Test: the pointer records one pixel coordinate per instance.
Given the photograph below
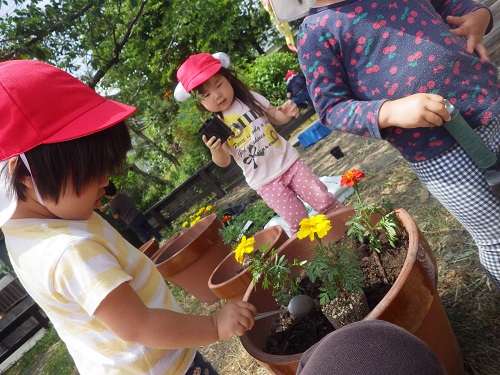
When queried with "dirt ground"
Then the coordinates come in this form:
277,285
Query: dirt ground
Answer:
372,157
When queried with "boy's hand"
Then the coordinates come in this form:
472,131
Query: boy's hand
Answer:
235,318
472,26
214,143
289,109
414,111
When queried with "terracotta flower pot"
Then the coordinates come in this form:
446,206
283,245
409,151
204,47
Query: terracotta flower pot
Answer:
190,258
150,248
226,282
412,303
164,246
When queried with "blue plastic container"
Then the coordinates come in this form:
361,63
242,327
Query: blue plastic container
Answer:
313,134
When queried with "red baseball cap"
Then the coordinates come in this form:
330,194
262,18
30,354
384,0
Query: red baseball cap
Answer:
197,69
41,104
289,74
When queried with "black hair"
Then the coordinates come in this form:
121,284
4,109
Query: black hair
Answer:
110,189
241,92
77,162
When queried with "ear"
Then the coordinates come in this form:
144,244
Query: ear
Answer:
27,181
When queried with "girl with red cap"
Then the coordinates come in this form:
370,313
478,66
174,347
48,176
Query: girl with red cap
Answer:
59,140
270,164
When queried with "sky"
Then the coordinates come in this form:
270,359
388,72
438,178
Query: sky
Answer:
11,6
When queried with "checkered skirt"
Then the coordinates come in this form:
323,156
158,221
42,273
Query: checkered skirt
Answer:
460,186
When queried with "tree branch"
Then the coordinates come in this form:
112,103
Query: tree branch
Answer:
12,54
118,48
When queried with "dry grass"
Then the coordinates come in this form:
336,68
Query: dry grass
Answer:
470,300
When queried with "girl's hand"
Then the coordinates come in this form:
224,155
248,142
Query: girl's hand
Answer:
414,111
235,318
472,26
214,143
289,109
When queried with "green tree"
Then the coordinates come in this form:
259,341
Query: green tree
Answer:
132,49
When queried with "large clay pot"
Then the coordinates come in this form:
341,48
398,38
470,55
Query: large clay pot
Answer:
189,260
150,248
226,282
412,303
166,244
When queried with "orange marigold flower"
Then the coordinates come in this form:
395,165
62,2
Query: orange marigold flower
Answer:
167,94
352,177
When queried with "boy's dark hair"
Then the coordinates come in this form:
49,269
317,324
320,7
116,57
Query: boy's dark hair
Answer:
110,189
77,162
241,92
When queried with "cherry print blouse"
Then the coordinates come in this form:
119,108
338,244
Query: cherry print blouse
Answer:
356,54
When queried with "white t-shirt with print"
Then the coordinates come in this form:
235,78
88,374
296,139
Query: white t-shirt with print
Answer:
259,150
69,267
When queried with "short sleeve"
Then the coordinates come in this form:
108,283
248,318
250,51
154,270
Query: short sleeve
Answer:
86,273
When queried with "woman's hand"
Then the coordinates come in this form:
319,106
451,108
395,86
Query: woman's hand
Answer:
220,155
472,26
414,111
289,109
214,143
235,318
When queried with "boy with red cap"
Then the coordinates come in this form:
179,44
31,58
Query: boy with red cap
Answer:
59,141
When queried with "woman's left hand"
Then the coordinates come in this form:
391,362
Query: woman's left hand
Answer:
289,109
472,26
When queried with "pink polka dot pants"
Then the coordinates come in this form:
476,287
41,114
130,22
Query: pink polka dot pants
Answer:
282,195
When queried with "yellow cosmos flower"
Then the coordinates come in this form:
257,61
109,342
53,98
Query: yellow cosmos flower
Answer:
315,224
185,224
244,247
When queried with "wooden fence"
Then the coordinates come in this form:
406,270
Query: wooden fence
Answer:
21,318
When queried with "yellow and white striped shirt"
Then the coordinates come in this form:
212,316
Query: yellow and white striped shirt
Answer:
69,267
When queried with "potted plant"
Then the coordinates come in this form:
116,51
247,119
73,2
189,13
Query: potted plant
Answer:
411,302
341,294
231,278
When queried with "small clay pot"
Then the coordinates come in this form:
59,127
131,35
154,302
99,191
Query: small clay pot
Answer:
336,152
216,127
228,281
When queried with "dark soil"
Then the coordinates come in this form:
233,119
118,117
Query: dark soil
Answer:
292,336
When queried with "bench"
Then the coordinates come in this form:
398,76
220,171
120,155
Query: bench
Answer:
19,325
